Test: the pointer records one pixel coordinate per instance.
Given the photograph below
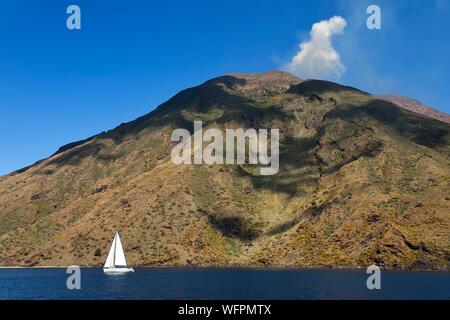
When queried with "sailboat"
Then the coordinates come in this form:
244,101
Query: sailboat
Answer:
115,262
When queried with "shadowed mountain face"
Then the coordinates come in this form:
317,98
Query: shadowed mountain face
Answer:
361,181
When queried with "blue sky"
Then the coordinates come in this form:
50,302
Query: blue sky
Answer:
59,86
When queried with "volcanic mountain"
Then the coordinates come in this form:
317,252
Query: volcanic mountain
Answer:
361,181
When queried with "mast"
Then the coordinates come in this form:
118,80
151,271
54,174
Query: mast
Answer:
114,255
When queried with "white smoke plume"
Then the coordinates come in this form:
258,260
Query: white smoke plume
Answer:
316,57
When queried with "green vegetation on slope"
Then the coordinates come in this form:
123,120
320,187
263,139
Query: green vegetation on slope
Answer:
361,181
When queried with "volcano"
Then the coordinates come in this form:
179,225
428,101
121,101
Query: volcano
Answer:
361,181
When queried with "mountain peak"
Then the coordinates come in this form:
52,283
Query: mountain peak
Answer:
259,85
272,75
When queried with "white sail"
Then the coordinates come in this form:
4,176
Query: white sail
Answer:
119,255
110,259
115,262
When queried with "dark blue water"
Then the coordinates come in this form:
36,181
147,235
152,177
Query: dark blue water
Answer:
162,283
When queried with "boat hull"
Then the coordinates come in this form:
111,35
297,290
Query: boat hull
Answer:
117,271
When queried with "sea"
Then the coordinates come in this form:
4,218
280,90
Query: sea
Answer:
222,284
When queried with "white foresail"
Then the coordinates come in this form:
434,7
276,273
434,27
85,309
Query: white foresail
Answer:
119,256
110,259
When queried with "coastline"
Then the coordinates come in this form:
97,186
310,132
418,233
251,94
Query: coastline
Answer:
262,268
